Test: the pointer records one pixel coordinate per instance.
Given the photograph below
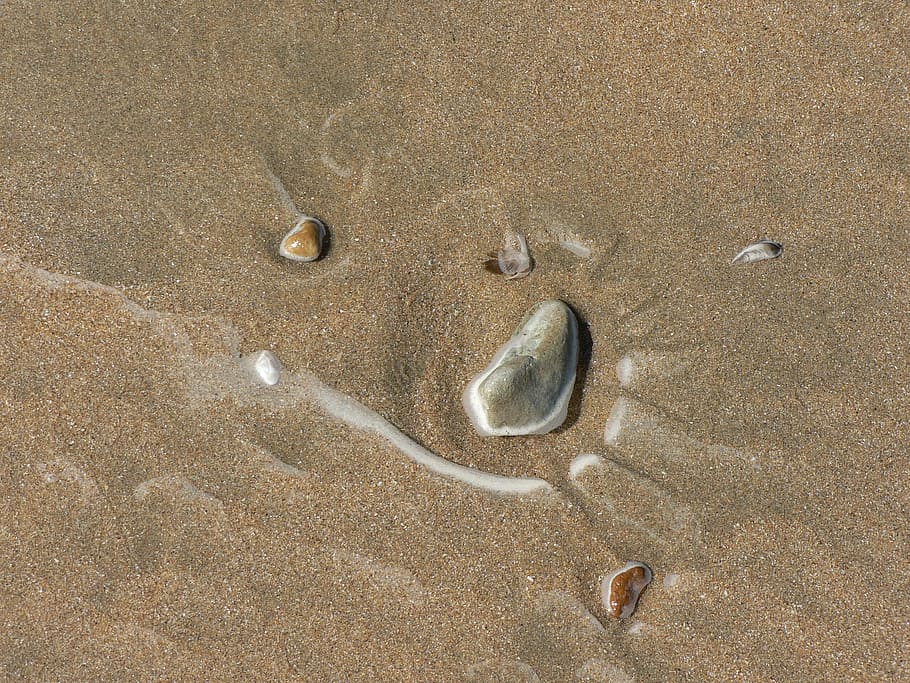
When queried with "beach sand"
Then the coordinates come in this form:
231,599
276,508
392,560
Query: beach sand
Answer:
165,517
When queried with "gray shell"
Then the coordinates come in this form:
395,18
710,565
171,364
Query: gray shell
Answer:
759,251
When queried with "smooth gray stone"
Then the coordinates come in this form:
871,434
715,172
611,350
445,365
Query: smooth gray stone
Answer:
526,387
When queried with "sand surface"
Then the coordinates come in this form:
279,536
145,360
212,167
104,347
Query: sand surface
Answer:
165,517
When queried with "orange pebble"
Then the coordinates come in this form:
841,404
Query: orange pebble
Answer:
304,241
620,590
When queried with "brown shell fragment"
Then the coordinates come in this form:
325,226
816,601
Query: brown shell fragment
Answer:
621,590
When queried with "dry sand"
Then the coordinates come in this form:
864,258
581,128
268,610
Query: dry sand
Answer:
164,518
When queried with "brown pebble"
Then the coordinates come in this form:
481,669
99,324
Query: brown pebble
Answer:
304,241
620,590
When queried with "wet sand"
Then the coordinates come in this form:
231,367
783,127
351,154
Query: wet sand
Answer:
165,517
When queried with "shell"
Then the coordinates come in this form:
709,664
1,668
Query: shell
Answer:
304,241
759,251
513,260
620,590
264,366
525,389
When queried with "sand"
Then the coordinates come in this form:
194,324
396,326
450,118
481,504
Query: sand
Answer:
165,517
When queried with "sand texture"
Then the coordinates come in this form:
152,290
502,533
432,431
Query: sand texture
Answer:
164,516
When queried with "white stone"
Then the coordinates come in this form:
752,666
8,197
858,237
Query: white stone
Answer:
527,386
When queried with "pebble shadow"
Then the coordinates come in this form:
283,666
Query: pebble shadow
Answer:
585,347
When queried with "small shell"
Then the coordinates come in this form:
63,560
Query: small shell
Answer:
759,251
620,590
513,260
264,366
304,241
